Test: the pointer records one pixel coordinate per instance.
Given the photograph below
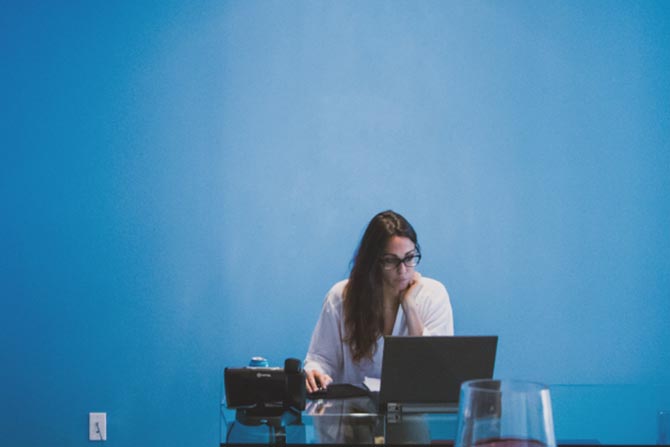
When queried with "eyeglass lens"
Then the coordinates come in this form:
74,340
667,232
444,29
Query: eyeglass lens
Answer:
391,262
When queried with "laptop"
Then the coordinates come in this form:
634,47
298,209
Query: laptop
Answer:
424,374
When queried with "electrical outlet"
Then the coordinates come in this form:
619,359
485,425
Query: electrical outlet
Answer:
97,426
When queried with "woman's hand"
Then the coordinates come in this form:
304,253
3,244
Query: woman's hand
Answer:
412,290
408,303
316,380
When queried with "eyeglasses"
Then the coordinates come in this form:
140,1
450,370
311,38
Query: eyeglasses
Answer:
391,262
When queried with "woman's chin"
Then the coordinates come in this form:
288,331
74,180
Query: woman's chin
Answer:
402,285
399,285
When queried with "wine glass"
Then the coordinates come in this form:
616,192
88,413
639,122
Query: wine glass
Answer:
504,413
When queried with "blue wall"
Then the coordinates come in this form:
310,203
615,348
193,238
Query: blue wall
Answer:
183,181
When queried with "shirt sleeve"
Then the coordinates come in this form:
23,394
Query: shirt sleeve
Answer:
325,348
436,312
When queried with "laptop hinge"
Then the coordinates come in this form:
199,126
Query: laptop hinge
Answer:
393,412
397,408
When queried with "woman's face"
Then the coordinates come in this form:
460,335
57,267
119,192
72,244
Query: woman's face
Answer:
397,248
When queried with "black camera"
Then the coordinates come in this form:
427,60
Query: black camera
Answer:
264,390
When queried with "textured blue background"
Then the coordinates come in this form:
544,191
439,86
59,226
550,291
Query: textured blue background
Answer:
183,181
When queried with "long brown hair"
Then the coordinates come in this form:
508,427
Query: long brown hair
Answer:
363,306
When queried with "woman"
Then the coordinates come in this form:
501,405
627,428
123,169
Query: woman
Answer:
384,295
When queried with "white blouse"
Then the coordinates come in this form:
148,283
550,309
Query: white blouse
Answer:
329,354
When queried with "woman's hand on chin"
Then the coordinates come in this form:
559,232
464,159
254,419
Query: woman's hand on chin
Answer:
408,302
412,289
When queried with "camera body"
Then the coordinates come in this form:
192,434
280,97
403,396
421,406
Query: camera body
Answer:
264,387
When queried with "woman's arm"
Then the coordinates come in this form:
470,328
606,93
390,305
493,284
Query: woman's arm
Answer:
433,314
324,356
408,302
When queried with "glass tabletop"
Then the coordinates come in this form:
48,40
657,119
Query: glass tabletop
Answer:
610,414
583,414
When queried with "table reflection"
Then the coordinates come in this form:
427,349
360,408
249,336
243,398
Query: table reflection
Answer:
345,421
583,414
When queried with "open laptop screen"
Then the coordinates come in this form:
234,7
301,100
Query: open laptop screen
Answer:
430,370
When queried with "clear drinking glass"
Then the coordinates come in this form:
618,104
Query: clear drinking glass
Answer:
504,413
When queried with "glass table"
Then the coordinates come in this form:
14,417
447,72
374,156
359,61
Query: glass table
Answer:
583,414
